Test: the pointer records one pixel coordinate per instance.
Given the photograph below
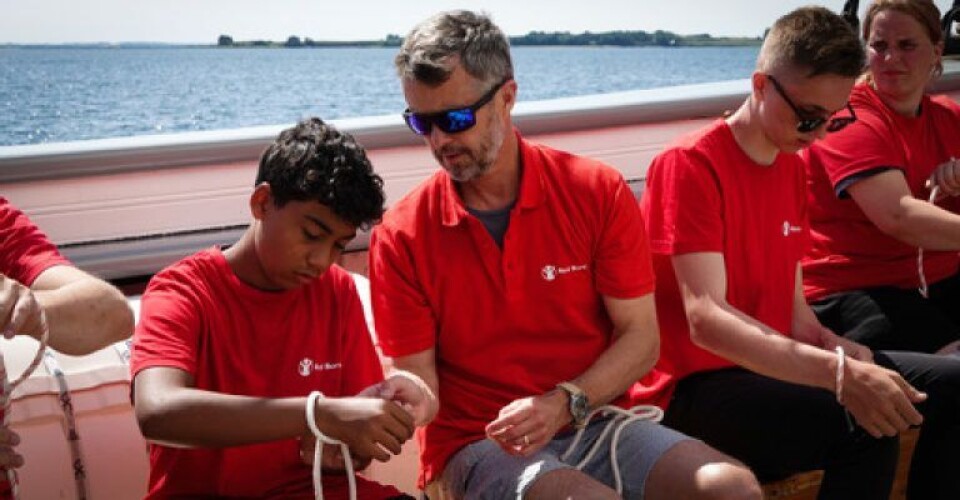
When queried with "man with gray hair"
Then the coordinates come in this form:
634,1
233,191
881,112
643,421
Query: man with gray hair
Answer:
517,283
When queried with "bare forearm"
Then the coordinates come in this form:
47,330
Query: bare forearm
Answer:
85,316
627,359
197,418
924,225
423,365
806,327
632,353
729,333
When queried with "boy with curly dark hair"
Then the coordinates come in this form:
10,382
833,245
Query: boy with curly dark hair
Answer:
231,341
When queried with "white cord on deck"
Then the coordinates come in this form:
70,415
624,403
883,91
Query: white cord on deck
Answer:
621,418
924,289
318,450
8,388
73,434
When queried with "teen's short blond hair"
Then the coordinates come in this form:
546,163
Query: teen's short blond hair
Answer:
814,41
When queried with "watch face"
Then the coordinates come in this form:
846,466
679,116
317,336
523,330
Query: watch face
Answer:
578,408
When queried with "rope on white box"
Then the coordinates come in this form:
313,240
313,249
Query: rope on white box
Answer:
73,435
7,391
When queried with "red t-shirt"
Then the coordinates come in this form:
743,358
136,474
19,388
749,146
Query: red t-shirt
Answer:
511,323
25,251
704,194
848,251
197,316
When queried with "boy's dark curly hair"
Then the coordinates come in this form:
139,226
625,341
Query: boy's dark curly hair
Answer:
313,161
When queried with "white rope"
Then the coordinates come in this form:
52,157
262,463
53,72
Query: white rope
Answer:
73,434
924,289
318,451
621,418
123,349
7,392
841,362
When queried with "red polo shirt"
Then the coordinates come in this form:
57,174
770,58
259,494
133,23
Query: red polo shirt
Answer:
513,323
704,194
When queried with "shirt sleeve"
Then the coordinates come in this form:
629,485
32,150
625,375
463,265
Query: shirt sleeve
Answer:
867,145
168,331
365,368
25,252
623,268
402,316
682,204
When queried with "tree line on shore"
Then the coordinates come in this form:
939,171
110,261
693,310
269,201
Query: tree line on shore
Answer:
640,38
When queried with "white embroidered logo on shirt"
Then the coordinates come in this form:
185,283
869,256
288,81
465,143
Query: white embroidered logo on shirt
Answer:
790,228
305,367
551,273
308,366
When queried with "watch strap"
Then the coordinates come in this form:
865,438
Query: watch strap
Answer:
578,399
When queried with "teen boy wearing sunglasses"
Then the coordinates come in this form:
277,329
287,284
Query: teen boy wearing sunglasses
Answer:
516,281
745,364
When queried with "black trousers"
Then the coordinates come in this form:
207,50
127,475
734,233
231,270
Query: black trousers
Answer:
777,429
891,318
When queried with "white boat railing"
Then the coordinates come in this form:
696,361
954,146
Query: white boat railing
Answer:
151,152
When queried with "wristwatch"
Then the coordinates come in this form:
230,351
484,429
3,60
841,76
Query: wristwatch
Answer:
579,405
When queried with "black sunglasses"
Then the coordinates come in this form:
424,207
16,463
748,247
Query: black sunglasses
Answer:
449,121
807,123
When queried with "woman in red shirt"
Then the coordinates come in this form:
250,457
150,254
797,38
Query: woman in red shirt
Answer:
869,187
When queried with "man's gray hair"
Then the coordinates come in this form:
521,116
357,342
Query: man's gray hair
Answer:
433,49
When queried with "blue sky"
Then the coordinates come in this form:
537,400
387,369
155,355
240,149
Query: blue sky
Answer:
201,21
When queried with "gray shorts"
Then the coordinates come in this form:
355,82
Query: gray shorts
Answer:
482,470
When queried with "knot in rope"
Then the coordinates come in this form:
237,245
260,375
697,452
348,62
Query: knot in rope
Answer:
318,450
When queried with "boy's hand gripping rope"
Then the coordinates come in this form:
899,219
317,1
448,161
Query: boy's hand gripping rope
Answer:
318,450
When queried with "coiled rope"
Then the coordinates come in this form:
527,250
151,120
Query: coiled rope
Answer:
621,418
7,390
318,450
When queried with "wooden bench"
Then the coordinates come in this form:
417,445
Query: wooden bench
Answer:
806,485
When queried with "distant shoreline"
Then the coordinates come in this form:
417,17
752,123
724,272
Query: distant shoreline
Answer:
533,39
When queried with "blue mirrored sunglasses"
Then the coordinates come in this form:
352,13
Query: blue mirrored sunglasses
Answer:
449,121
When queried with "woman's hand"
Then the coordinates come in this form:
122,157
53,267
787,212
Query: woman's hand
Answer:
946,177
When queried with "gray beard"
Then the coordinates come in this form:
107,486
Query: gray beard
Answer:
469,173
